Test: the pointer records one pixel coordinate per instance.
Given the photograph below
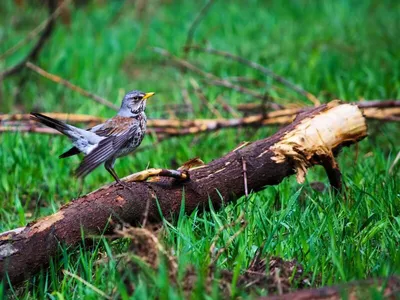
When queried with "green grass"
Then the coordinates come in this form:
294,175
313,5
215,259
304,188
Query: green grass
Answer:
335,49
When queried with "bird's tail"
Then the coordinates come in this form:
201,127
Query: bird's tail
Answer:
68,130
50,122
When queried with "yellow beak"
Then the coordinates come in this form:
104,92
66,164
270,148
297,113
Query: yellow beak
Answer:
147,95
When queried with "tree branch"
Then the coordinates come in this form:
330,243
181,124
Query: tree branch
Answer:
262,69
213,79
196,22
34,33
314,134
33,54
254,107
245,91
71,86
377,110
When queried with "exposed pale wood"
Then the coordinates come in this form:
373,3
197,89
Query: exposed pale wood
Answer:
268,161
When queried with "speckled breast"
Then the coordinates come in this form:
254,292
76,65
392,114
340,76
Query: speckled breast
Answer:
137,138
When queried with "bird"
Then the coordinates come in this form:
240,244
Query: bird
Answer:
105,142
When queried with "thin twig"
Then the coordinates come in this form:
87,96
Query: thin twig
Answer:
204,99
36,31
146,213
227,107
278,281
247,80
187,100
211,78
32,129
175,108
33,54
262,69
257,257
200,16
246,190
164,128
246,91
365,104
396,160
249,107
70,118
183,63
71,86
378,103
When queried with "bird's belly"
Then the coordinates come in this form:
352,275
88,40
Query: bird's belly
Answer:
131,145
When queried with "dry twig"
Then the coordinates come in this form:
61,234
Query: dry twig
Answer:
70,118
396,160
204,99
262,69
34,33
378,103
58,79
164,128
33,54
246,189
203,12
227,107
364,104
213,79
245,91
184,63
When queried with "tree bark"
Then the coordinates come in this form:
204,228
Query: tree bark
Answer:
313,138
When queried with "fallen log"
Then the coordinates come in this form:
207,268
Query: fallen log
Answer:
314,138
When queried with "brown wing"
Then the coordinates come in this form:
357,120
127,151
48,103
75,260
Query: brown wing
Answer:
116,137
115,126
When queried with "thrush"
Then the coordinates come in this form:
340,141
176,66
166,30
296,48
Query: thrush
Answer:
104,143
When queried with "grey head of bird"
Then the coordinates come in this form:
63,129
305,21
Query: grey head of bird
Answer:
134,103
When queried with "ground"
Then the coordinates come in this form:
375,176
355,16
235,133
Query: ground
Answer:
344,50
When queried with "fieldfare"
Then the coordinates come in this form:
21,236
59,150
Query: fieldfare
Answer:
105,142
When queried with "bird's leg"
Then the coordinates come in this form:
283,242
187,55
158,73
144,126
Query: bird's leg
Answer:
109,167
113,174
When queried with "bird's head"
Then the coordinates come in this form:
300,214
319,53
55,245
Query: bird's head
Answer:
134,103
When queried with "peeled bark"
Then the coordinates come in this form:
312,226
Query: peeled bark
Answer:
313,138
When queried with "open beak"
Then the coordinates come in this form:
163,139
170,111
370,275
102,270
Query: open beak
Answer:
147,95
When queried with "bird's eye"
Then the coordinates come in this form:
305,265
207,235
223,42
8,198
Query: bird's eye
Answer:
135,98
